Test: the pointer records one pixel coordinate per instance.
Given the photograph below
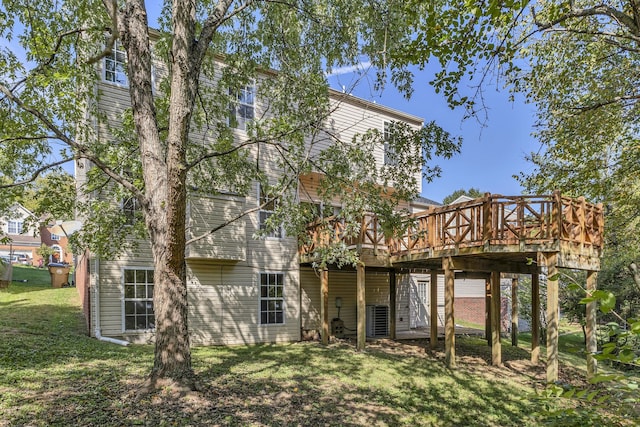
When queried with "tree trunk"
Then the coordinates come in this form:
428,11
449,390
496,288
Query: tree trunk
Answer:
633,267
164,167
173,351
164,172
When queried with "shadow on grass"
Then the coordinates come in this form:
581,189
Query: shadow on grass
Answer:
308,384
51,373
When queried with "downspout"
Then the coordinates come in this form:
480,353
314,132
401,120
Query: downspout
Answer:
97,331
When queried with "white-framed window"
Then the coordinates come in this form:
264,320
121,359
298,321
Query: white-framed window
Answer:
14,227
115,65
242,111
138,299
271,298
132,210
55,237
390,156
268,205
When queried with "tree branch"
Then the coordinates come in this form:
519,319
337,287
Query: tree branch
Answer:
633,267
613,100
37,173
211,25
601,10
112,9
26,138
81,150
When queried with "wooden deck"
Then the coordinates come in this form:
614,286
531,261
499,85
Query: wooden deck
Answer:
491,235
505,230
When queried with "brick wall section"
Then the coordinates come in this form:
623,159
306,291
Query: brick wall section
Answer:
469,309
82,286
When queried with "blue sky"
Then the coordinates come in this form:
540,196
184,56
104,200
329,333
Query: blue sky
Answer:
490,155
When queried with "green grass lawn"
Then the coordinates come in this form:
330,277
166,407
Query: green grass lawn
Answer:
32,275
51,373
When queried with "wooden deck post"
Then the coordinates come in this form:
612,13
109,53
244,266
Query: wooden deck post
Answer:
592,346
449,319
361,308
514,311
324,305
487,310
535,319
551,261
496,347
487,215
431,229
392,304
433,308
556,215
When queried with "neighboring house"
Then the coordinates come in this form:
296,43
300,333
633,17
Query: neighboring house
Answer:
23,238
57,240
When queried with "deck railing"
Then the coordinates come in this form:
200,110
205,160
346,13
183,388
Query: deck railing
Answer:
492,220
324,232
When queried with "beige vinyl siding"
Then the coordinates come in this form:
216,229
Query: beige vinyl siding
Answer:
110,274
223,270
310,299
341,284
402,302
205,213
224,305
352,116
470,288
271,253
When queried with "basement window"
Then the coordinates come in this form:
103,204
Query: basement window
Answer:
138,299
271,298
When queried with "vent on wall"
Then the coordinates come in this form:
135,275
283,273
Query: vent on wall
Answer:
377,321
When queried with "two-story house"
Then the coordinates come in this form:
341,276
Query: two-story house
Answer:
23,239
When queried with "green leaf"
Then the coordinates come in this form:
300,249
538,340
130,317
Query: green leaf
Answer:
600,378
626,355
574,287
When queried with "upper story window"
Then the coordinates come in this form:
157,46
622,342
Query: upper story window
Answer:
115,65
390,156
268,205
15,227
55,236
132,210
243,109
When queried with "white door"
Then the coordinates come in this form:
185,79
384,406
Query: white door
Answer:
419,306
